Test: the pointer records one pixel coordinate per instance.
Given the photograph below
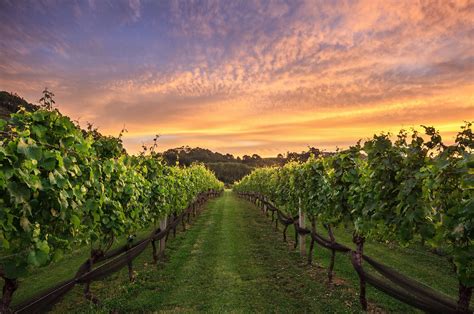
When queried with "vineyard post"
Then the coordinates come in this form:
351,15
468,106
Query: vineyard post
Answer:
301,222
163,240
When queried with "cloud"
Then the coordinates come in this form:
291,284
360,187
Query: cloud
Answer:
135,6
283,74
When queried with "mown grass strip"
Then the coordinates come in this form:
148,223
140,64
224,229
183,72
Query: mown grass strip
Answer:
230,260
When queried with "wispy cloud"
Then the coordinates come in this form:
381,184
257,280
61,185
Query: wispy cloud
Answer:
280,74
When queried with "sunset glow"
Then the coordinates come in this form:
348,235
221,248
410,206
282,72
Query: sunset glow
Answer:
245,77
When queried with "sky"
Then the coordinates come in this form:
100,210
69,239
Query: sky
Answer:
244,77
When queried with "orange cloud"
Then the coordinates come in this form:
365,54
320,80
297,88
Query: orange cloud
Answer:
260,76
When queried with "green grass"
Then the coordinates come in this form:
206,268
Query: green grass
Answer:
232,260
46,277
414,261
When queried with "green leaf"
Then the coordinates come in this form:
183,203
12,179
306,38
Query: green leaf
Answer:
39,131
37,258
49,164
25,224
20,192
43,246
5,244
31,151
58,255
75,221
52,179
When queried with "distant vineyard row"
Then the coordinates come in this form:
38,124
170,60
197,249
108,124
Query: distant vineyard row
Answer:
414,188
61,187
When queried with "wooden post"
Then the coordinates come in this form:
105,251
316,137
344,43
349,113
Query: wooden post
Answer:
301,222
163,223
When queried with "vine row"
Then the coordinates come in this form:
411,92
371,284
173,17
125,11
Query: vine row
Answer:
62,187
415,188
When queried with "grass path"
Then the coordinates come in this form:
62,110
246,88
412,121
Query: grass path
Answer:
230,260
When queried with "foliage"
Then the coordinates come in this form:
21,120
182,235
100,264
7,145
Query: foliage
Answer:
11,103
47,101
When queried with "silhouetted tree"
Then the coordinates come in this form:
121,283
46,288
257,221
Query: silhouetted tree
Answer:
47,101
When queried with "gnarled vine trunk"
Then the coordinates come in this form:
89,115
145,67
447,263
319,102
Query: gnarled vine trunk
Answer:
359,242
95,254
155,255
284,232
465,294
163,225
296,237
311,246
183,223
8,289
153,245
131,275
333,254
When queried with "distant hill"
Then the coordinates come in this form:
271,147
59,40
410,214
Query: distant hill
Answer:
229,172
228,168
10,103
186,155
